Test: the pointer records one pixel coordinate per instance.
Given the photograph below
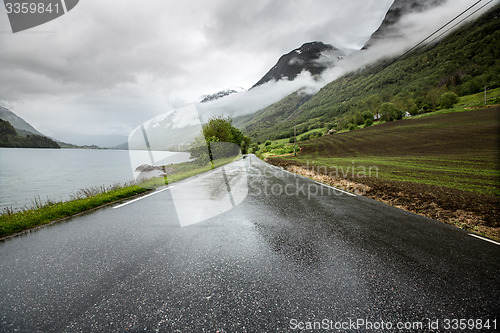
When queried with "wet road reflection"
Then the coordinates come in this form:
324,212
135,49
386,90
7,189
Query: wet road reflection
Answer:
210,194
188,259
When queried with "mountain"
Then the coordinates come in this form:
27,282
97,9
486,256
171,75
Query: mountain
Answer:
464,62
221,94
388,28
24,129
26,136
313,57
21,126
10,138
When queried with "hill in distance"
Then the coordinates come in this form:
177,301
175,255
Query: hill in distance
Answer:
25,130
22,127
10,138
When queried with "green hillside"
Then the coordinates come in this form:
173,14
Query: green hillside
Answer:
463,63
271,116
9,138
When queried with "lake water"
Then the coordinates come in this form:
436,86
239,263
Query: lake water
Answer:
55,174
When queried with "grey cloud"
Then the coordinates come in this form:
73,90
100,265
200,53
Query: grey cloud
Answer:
107,66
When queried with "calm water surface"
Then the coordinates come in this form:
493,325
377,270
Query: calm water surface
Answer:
55,174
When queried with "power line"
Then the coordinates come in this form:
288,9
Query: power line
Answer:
435,32
465,18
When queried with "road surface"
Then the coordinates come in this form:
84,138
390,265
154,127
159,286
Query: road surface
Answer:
247,248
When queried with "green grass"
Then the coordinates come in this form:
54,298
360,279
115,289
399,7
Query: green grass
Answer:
12,222
278,147
455,150
283,146
478,99
451,171
466,103
316,130
444,166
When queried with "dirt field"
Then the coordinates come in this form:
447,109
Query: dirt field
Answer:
445,167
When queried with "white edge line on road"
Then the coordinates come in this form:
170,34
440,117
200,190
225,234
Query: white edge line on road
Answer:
319,183
336,189
145,196
485,239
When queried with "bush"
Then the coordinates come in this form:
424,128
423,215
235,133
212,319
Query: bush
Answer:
268,143
414,110
254,148
304,137
218,139
389,112
357,119
448,100
368,123
351,127
367,115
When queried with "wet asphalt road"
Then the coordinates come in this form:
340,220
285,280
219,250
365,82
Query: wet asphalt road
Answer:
265,260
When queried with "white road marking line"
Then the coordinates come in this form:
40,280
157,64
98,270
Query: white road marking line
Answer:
140,198
485,239
319,183
336,189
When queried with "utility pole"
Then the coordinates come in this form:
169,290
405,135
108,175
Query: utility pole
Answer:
294,139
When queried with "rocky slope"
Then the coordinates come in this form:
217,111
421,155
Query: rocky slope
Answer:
313,57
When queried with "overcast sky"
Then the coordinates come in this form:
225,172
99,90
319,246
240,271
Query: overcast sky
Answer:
96,73
107,66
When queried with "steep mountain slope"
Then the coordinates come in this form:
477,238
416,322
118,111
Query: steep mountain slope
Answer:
313,57
21,126
10,138
399,8
463,62
272,115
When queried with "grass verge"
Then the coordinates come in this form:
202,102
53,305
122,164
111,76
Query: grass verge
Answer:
13,222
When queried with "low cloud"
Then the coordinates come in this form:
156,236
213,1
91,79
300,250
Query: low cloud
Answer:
107,66
258,98
411,30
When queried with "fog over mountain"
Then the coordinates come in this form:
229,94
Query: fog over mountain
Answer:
313,57
389,28
221,94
